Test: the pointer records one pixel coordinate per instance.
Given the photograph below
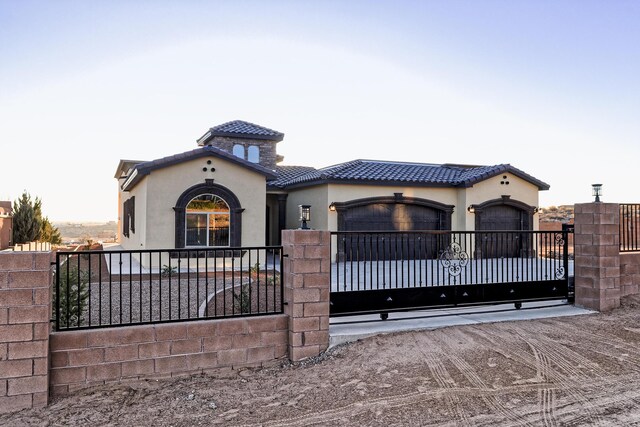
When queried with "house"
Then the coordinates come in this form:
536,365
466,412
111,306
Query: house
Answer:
5,225
232,191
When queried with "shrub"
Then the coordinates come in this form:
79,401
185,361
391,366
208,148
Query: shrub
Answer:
73,298
242,300
167,270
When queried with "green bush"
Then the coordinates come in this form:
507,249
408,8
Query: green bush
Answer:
73,298
242,300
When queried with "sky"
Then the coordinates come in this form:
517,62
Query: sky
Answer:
551,87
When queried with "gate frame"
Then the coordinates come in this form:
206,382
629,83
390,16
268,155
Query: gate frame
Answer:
383,301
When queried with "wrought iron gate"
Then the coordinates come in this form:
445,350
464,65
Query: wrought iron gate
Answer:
381,272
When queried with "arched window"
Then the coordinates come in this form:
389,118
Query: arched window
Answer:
207,221
238,150
253,154
208,215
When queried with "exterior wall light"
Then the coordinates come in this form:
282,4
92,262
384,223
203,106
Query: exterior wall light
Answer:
305,216
597,191
471,209
332,207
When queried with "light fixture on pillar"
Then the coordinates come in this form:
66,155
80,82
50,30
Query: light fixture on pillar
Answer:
305,216
332,207
471,209
597,191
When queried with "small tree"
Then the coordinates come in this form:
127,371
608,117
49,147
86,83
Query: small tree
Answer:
73,298
26,224
49,233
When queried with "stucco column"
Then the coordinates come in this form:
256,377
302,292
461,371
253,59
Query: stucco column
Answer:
306,291
597,255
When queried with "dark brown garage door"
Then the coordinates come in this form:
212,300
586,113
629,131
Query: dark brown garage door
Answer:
388,220
501,218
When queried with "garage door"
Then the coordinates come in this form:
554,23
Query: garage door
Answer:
501,218
388,221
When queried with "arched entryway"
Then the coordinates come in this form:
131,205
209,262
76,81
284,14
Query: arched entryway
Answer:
395,214
503,214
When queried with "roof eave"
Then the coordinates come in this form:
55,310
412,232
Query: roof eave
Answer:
140,172
542,186
204,139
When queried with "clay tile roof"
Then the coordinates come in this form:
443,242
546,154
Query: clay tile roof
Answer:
386,172
241,129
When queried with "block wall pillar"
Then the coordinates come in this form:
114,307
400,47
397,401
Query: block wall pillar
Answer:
306,273
25,310
597,255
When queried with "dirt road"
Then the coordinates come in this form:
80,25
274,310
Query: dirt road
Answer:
582,370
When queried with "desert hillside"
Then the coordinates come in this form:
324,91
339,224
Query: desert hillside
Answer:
75,232
563,213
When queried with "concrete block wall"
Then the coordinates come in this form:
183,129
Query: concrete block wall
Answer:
629,273
36,363
85,358
25,310
597,255
306,291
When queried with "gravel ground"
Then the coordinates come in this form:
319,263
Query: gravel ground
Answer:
154,300
571,371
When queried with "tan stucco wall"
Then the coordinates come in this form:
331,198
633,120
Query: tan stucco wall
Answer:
491,188
158,192
315,196
345,193
135,240
321,196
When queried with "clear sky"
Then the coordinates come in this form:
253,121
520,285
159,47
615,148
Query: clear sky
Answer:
551,87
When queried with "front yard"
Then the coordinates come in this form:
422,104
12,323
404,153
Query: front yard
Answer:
581,370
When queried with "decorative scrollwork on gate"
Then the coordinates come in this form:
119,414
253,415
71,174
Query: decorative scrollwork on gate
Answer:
454,259
560,272
559,239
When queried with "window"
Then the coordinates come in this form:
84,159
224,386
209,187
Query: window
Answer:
215,217
238,151
129,216
254,154
207,221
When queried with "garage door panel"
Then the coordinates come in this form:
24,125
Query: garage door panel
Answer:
501,218
382,217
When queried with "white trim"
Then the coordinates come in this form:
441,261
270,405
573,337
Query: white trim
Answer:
129,179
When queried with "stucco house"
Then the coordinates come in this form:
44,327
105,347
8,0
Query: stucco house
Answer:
232,191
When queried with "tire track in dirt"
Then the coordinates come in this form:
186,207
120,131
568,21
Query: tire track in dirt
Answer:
397,401
616,345
567,384
493,403
564,357
445,381
546,395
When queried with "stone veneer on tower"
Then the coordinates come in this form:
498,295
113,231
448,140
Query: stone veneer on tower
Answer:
228,135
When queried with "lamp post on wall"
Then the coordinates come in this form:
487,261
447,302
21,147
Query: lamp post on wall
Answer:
597,191
305,216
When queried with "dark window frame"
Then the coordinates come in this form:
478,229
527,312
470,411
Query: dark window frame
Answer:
209,187
129,216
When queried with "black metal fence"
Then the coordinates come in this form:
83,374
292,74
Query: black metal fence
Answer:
120,288
537,262
629,227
